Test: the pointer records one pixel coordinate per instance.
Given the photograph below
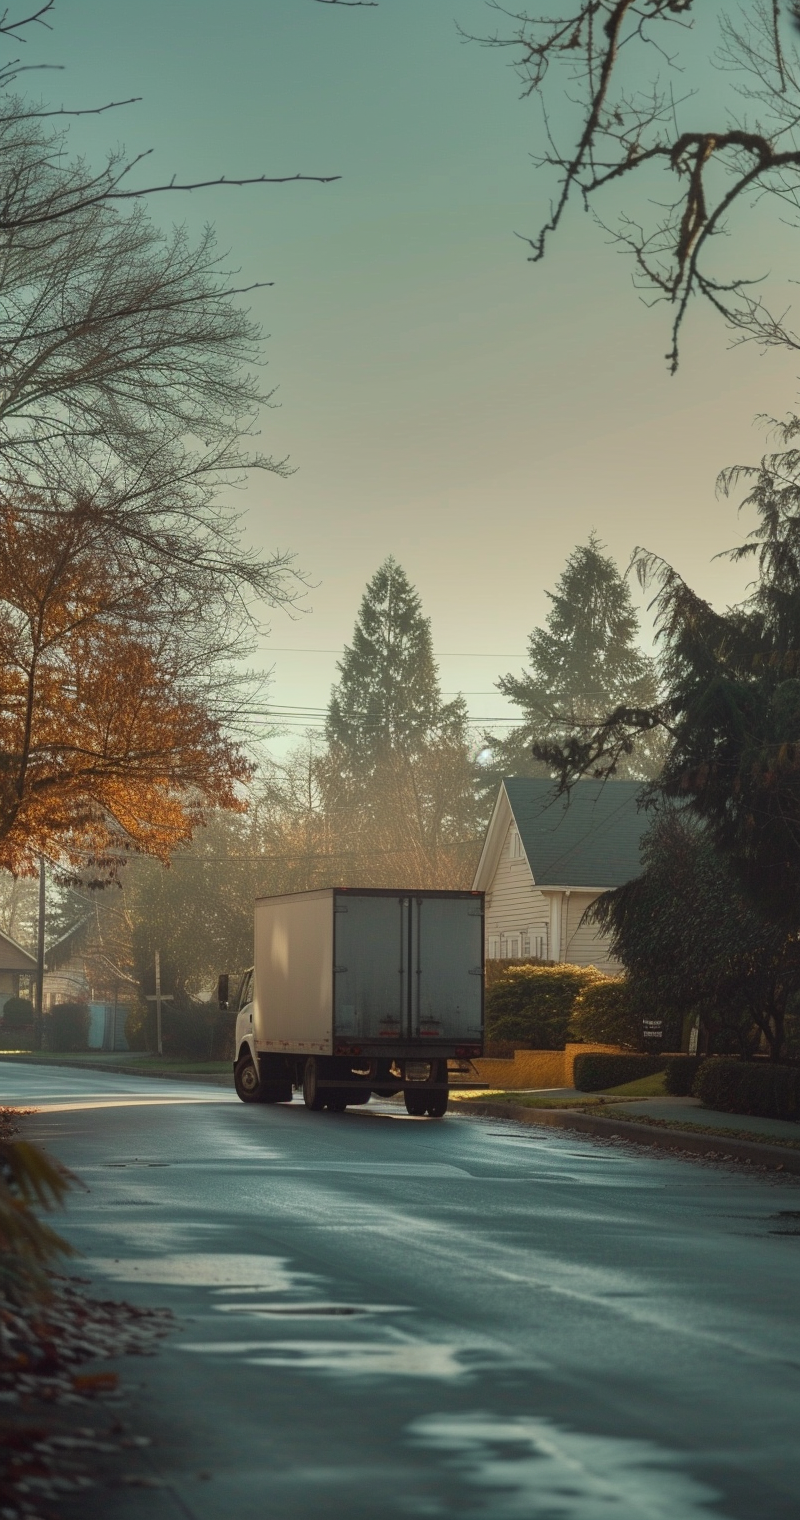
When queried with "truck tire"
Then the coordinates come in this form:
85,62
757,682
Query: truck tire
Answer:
245,1080
437,1108
340,1098
313,1097
416,1103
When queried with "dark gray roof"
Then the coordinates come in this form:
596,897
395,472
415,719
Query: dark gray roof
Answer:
589,838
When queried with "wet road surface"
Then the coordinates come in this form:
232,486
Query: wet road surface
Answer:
384,1316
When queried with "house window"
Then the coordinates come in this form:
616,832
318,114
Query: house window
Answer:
516,846
493,948
511,947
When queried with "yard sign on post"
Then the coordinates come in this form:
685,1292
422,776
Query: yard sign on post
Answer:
158,998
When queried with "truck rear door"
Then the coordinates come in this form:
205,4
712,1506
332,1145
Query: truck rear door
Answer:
409,967
448,939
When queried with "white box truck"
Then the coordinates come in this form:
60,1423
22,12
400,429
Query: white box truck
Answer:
356,991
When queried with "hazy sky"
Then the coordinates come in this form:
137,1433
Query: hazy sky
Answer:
442,399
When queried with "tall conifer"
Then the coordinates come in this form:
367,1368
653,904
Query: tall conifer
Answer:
583,663
396,780
388,696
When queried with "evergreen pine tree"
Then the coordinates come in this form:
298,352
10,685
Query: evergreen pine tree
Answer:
388,698
583,663
396,783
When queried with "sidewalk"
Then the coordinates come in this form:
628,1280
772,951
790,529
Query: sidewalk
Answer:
676,1124
690,1111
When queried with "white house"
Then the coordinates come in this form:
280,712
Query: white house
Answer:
546,858
14,962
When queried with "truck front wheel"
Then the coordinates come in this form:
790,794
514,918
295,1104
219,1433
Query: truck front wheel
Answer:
245,1080
312,1096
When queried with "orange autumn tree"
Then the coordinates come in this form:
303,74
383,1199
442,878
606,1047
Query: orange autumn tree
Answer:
113,732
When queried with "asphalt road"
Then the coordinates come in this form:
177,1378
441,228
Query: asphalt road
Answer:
383,1316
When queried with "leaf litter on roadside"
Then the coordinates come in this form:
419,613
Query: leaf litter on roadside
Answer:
49,1331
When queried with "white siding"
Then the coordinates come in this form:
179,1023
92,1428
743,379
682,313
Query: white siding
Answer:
514,906
518,917
584,945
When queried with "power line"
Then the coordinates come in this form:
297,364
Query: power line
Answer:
464,844
440,654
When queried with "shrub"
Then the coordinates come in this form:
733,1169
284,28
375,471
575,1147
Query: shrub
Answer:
136,1022
591,1073
603,1014
530,1006
67,1027
189,1031
496,969
745,1087
680,1074
18,1012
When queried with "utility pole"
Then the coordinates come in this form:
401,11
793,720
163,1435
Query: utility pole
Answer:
38,1009
158,998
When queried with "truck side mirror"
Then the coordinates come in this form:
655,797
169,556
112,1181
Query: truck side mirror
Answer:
222,990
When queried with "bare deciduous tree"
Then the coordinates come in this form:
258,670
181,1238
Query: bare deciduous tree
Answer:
619,64
87,186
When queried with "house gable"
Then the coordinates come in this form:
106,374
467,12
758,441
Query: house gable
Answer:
546,858
13,957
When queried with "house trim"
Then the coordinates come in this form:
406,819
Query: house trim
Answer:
496,832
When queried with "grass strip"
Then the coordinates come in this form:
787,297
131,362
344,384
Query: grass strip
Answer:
757,1137
134,1062
526,1100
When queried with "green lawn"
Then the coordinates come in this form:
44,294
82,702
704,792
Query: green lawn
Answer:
644,1087
136,1061
531,1100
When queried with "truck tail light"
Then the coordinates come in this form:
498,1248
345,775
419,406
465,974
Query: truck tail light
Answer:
468,1050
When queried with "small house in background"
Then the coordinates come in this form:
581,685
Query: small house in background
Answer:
15,963
80,969
545,860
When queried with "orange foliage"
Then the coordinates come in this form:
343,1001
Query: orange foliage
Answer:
107,741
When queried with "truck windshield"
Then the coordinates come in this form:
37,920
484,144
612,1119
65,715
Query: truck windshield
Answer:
245,991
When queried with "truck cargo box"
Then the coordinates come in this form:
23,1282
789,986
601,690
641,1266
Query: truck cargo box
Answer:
369,972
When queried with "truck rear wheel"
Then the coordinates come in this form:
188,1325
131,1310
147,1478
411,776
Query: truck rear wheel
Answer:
313,1097
416,1103
340,1098
437,1108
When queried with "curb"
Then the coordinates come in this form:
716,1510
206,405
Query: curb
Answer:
758,1153
209,1078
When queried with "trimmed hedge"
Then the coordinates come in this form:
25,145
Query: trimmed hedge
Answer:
591,1073
603,1014
67,1027
749,1087
495,970
680,1074
530,1007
